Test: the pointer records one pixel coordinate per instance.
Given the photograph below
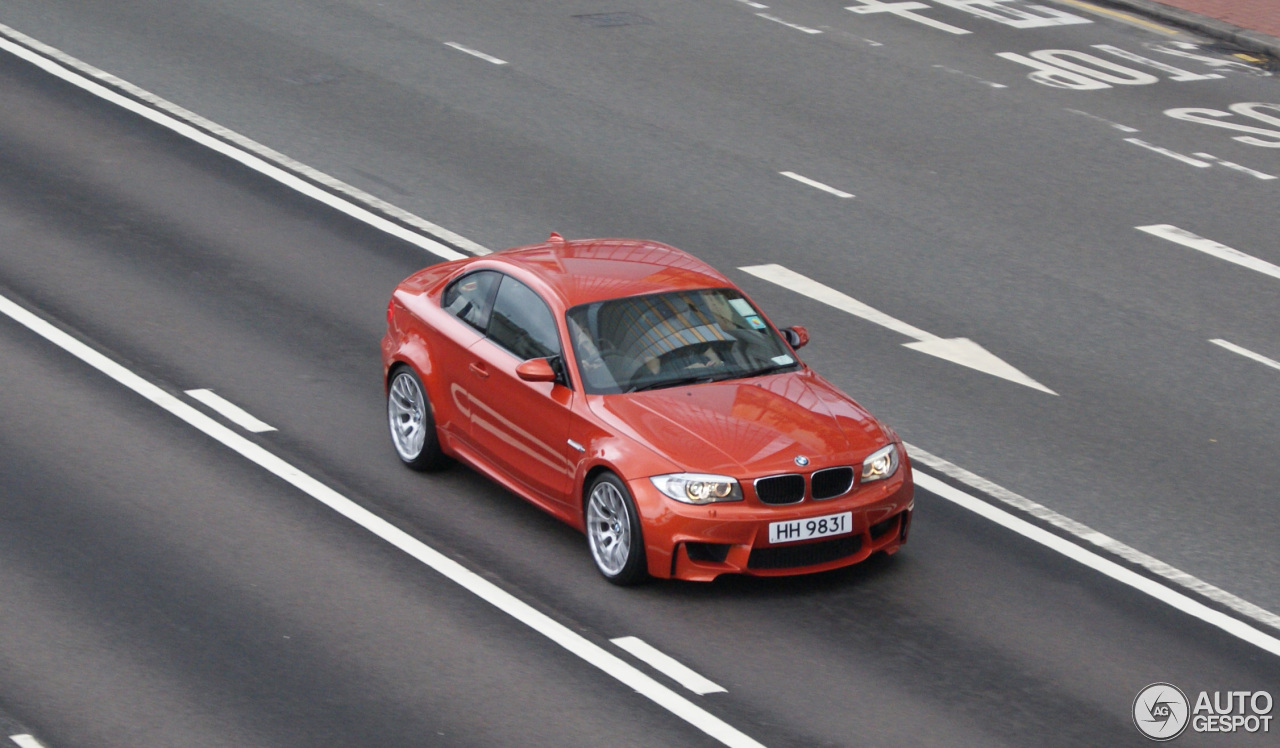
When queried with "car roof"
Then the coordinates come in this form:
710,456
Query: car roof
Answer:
587,270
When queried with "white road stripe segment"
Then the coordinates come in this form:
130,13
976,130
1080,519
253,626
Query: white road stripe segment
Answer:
1167,595
475,53
813,183
1210,247
668,666
1169,153
1093,537
26,741
1247,354
795,26
232,412
508,603
1234,166
246,151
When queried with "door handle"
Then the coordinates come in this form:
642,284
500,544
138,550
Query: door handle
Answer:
479,370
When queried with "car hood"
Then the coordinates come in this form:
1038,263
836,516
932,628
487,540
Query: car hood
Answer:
755,426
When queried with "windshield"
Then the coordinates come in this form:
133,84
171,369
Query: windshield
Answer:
663,340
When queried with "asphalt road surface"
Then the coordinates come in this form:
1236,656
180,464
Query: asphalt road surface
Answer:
1029,188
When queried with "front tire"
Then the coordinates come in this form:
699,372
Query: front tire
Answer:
613,531
413,429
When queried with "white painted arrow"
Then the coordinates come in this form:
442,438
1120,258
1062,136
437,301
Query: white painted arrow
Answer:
961,351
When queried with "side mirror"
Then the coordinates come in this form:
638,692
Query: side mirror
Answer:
537,370
796,336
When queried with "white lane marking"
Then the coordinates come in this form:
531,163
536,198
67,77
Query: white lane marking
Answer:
1093,537
903,10
795,26
1116,125
185,123
1169,153
757,6
1210,247
668,666
1247,354
476,53
983,81
26,741
508,603
232,412
1167,595
1232,165
956,350
812,183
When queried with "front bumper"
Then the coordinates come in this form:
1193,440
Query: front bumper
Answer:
699,543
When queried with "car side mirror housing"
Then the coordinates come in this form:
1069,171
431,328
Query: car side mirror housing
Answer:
537,370
796,336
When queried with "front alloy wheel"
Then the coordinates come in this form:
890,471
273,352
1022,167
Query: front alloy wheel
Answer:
613,531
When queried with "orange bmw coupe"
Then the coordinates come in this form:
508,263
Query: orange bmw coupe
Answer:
636,393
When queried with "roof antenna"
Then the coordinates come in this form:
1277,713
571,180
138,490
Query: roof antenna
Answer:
555,237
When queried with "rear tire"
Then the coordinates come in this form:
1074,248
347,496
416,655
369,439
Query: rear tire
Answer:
613,531
413,429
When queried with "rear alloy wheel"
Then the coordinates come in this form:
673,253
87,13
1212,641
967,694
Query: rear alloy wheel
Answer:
613,531
413,430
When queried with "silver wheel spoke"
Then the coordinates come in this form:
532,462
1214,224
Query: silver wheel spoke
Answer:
608,528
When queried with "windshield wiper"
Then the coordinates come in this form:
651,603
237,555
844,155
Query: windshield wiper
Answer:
663,383
771,368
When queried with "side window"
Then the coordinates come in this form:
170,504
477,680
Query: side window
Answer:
469,298
522,323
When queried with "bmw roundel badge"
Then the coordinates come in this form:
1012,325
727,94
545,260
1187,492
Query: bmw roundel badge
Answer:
802,460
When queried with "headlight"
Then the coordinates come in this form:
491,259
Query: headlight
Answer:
881,464
696,488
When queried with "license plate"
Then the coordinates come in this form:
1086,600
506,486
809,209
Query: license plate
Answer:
813,527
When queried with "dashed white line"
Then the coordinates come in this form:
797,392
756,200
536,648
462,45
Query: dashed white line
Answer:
476,53
1246,353
795,26
508,603
813,183
26,741
757,6
1169,153
238,147
983,81
232,412
1116,125
1234,166
1210,247
668,666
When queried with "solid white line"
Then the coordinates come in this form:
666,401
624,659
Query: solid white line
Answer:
231,411
475,53
557,632
668,666
1169,153
1169,596
1093,537
242,148
812,183
26,741
1246,353
795,26
1210,247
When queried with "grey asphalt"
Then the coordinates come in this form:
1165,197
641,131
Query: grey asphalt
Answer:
995,214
